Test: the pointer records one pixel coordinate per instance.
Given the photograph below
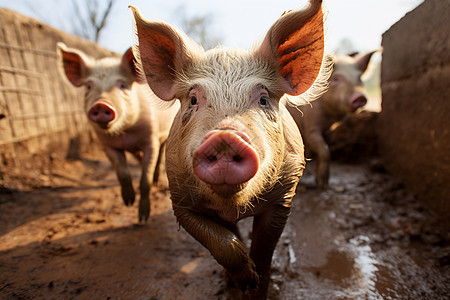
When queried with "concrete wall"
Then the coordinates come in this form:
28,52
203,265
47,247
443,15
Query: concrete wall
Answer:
414,125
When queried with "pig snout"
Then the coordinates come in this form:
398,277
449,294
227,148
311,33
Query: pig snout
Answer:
357,100
226,161
102,114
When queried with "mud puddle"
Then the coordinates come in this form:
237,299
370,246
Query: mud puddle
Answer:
363,238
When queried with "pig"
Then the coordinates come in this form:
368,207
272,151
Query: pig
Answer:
234,151
124,114
344,96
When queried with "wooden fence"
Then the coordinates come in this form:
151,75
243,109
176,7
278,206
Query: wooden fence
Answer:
40,112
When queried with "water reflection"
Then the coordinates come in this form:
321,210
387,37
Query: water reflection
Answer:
352,268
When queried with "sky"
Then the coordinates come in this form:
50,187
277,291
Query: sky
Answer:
238,23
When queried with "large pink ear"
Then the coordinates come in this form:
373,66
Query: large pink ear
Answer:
162,51
296,44
130,63
74,62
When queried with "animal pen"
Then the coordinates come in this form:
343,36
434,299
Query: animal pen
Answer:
41,114
366,237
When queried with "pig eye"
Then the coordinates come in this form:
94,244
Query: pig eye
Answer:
263,101
193,100
121,85
336,79
89,86
260,94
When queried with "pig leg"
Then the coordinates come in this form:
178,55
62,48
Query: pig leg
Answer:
149,161
119,162
267,229
319,146
158,163
224,245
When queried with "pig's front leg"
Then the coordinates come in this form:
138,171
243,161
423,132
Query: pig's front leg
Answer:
149,162
223,244
119,162
319,146
267,229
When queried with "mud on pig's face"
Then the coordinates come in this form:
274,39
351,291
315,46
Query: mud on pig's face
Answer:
228,131
226,144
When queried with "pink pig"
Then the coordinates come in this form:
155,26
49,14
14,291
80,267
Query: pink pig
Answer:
234,151
124,115
344,96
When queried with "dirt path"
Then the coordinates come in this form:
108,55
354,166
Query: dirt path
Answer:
364,238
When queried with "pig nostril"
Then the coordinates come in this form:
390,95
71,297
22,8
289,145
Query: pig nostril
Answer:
225,159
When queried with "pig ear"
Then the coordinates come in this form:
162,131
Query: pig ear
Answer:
296,44
74,62
130,63
161,51
363,61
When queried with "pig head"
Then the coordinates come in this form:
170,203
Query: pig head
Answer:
124,115
234,151
344,96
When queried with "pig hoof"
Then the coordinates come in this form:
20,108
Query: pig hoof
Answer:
143,217
321,184
144,211
244,280
128,197
128,201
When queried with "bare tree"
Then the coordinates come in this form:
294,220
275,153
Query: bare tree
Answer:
91,18
84,18
199,28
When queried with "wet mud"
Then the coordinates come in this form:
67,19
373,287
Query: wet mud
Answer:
71,237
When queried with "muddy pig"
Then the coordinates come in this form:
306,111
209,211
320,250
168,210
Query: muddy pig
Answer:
124,114
233,150
345,95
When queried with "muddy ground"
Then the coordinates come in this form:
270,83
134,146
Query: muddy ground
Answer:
65,234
